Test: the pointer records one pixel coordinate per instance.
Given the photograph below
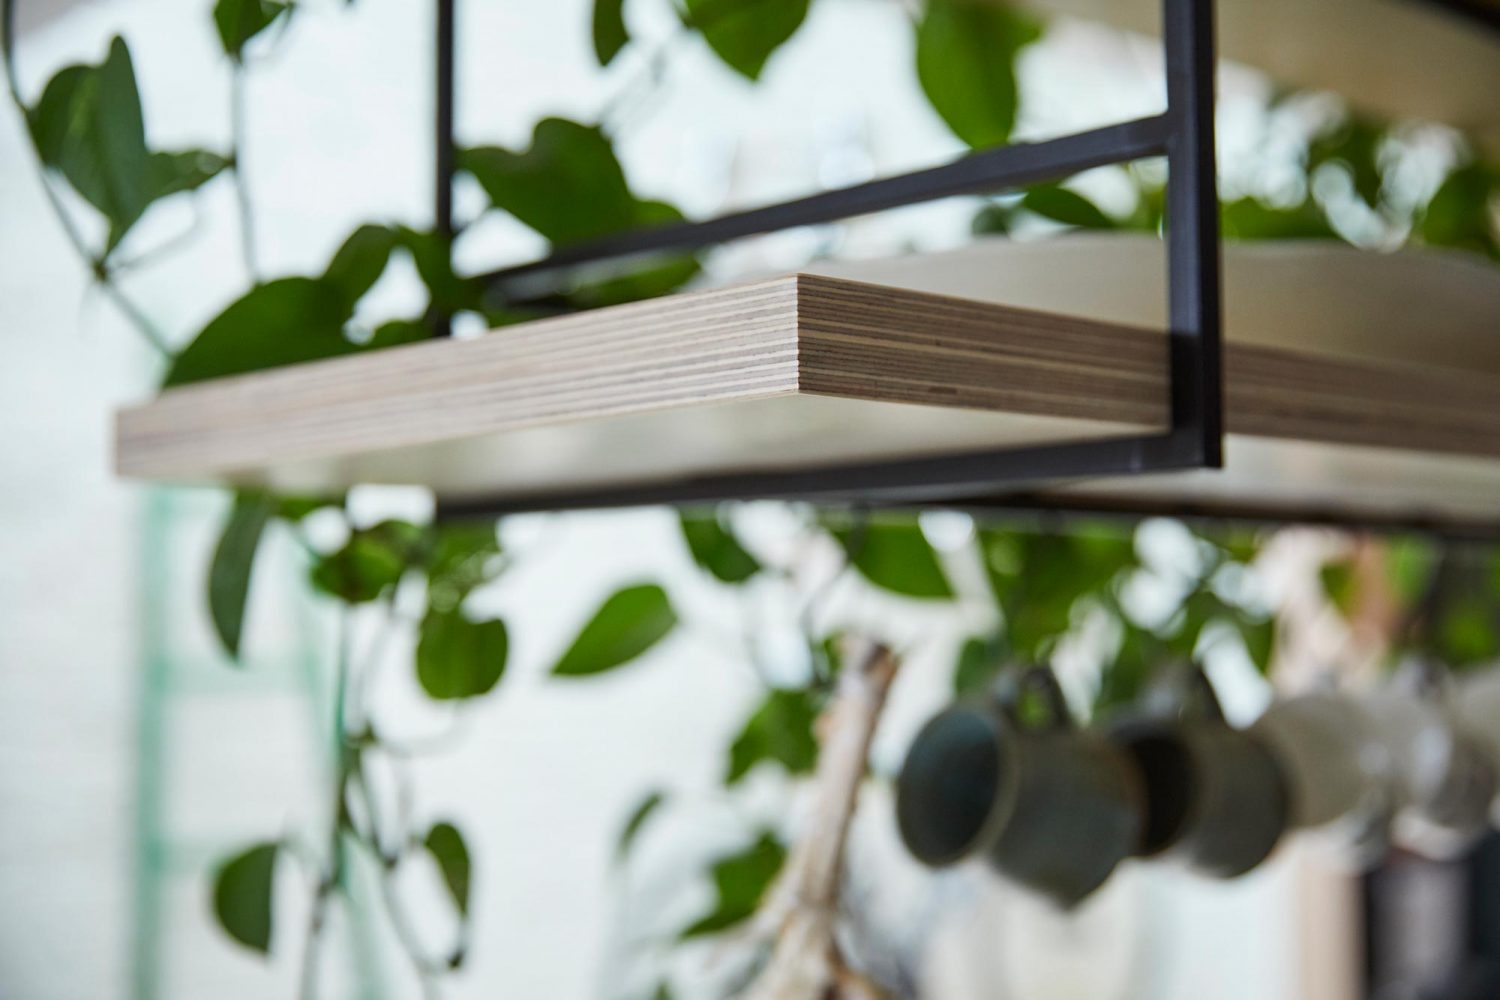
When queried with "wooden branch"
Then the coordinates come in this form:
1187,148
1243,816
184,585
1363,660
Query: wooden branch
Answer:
805,963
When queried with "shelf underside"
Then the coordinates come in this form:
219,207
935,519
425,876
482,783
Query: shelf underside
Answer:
806,370
1394,58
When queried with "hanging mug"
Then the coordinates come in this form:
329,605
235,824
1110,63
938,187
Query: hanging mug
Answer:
1215,796
1053,808
1338,775
1442,779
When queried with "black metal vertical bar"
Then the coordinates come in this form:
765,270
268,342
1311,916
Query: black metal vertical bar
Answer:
1195,310
443,159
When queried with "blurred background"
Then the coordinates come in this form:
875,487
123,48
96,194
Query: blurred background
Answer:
136,756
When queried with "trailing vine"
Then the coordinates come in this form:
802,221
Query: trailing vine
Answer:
567,185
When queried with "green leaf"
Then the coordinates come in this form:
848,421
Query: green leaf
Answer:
966,54
1459,213
630,622
568,186
242,896
715,548
88,126
665,274
282,322
637,821
1467,632
781,732
979,662
447,847
1060,204
234,558
360,262
371,562
396,332
1411,563
295,508
896,557
432,253
1354,144
463,558
610,35
185,170
1259,637
239,21
745,34
1249,219
740,880
1338,583
459,658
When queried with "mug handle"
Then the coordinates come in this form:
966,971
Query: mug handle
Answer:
1012,685
1185,690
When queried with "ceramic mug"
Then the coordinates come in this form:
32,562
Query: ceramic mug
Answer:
1442,778
1476,709
1215,796
1051,807
1337,774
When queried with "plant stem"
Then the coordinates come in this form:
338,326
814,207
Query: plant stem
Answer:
330,877
237,155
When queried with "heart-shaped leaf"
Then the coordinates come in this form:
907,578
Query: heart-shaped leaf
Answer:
966,55
459,658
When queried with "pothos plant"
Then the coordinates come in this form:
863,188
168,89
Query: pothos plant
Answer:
88,130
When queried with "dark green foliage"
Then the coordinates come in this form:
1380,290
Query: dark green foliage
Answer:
966,54
1064,205
282,322
745,33
1459,214
896,557
716,549
780,732
446,845
242,895
292,320
980,660
1354,146
370,563
1038,577
458,658
740,881
568,186
630,622
1250,219
234,558
637,821
87,125
238,21
610,35
464,555
360,262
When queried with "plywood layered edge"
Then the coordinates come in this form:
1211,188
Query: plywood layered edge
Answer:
803,369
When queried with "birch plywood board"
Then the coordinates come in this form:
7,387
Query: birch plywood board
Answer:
798,371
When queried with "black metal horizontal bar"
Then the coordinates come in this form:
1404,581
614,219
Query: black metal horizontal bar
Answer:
1048,508
989,170
929,479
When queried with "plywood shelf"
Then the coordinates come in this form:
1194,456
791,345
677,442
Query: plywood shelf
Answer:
801,370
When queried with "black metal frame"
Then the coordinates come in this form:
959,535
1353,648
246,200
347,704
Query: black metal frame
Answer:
1184,134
